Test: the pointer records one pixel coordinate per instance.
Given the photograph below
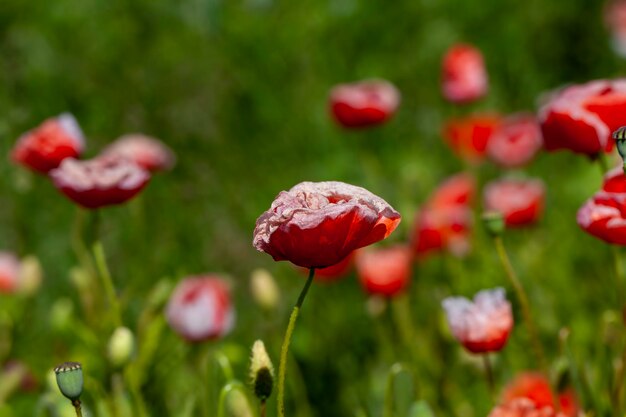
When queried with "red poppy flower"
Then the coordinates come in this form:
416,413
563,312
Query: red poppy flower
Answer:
44,147
200,309
615,19
445,221
149,153
334,272
604,214
519,201
483,325
582,117
464,75
9,272
364,103
516,141
315,225
458,189
386,271
535,387
469,137
99,182
523,407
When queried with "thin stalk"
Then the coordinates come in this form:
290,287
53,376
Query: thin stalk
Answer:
618,272
620,373
523,299
107,282
489,375
394,371
77,408
282,367
224,364
262,409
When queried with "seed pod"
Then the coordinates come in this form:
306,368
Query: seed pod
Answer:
70,379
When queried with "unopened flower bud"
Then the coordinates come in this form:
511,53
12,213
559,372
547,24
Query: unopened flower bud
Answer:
261,371
494,223
30,275
264,289
620,140
70,380
121,346
238,405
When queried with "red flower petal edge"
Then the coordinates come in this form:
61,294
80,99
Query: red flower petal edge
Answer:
315,225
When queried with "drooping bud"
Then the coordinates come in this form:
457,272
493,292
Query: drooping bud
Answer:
619,136
261,371
264,289
238,404
494,223
70,380
121,346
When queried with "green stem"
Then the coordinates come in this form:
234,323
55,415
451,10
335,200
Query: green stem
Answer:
107,282
581,385
523,299
282,367
224,364
617,270
489,375
394,371
262,409
77,408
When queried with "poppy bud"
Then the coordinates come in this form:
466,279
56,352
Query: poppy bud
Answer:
261,371
30,275
620,140
70,380
121,346
264,289
494,223
237,404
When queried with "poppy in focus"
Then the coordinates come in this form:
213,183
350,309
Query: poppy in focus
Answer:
317,224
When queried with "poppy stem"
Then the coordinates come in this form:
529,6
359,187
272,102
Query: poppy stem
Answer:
489,375
262,409
282,367
523,300
107,281
617,270
77,408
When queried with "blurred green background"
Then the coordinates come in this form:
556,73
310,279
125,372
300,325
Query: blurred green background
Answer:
239,90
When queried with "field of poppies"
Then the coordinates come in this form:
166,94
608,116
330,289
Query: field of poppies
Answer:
315,208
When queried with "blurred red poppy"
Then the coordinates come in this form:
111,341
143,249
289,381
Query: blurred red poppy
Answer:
458,189
9,272
482,325
200,308
604,214
99,182
145,151
615,20
469,137
535,387
520,201
464,77
582,117
315,225
445,221
523,407
44,147
334,272
365,103
385,271
516,141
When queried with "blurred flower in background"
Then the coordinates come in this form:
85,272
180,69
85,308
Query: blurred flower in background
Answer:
516,141
147,152
315,225
99,182
464,77
384,271
615,20
9,272
365,103
522,407
445,220
335,272
520,201
44,147
468,137
482,325
200,308
604,214
582,117
535,387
